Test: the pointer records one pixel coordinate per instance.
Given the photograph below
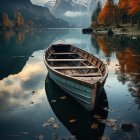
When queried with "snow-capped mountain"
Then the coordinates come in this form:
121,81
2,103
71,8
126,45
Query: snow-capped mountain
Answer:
83,3
75,12
71,5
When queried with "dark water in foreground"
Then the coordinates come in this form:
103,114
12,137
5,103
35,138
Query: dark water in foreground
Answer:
32,106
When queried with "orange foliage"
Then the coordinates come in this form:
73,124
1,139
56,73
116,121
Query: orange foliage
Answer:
19,20
8,35
129,64
134,7
131,7
108,14
102,43
5,20
129,55
20,37
123,4
105,13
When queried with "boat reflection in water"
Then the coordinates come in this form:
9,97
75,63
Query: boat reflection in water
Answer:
80,122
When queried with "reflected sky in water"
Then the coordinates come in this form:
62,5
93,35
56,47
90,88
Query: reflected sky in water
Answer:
24,106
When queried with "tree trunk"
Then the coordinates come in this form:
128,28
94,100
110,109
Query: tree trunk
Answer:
132,21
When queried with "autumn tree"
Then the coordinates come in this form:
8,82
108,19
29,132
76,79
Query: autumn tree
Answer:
126,11
108,14
123,5
130,10
19,20
134,11
6,23
115,15
134,7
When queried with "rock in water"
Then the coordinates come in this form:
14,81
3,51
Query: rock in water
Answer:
127,127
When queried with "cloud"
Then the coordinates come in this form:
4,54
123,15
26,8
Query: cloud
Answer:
16,90
73,14
39,2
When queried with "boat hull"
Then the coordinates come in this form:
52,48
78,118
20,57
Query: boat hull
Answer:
83,94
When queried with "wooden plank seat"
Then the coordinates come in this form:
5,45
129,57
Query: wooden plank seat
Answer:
63,53
72,67
87,75
63,60
90,80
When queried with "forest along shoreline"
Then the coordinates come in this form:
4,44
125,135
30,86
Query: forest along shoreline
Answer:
122,18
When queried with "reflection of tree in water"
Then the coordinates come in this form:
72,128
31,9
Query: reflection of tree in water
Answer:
105,44
128,54
129,61
94,44
20,37
7,36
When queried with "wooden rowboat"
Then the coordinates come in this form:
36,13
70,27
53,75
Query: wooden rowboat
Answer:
77,72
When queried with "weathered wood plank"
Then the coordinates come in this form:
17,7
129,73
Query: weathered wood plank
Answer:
70,68
63,53
89,78
63,60
86,75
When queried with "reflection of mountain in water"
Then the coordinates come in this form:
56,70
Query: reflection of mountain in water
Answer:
127,51
85,125
17,47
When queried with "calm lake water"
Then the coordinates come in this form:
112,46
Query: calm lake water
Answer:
32,106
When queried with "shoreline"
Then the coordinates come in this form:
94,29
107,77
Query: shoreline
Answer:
116,31
50,28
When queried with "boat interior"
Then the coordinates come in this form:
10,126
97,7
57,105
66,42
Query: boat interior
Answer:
75,62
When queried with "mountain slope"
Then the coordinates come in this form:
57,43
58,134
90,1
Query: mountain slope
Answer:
69,5
40,16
